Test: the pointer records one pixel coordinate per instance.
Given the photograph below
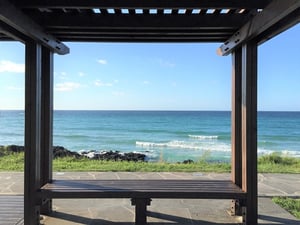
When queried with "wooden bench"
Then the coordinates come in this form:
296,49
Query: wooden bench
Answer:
142,191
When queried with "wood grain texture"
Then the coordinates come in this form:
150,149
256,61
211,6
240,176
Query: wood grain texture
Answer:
177,189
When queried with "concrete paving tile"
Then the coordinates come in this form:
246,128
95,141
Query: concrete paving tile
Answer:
213,211
149,176
114,214
168,215
128,175
156,203
104,175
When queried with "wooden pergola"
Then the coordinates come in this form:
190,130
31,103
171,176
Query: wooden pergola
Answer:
241,25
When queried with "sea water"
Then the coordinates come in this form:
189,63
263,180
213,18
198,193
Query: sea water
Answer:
162,135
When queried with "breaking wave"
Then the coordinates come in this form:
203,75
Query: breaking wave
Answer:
203,137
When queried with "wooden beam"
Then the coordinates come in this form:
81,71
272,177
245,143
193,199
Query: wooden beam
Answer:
283,25
46,123
277,10
15,18
125,21
11,32
249,130
32,132
143,39
145,4
236,118
107,31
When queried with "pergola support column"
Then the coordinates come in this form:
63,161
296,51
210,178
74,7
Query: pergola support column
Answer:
249,130
236,128
46,123
32,176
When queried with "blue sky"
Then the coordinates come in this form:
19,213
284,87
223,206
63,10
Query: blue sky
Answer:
104,76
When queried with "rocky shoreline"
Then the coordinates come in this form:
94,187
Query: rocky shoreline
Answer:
59,152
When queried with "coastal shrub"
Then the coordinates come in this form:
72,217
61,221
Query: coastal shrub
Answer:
276,158
289,204
14,161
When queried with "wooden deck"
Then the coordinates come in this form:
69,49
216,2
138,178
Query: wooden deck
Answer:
11,210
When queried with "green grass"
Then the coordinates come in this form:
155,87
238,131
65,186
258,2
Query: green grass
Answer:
12,162
289,204
267,164
83,164
274,163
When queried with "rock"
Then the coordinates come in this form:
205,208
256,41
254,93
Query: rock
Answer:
59,151
114,156
188,161
15,148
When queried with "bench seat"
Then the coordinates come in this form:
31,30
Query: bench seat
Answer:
142,191
204,189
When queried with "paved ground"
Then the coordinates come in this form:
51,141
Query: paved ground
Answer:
112,211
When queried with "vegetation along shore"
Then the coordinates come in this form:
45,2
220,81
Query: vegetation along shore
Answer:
12,159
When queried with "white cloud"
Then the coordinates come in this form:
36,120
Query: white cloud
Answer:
66,86
14,88
61,75
99,83
102,61
81,74
9,66
146,82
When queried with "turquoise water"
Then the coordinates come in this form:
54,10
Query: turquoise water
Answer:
161,135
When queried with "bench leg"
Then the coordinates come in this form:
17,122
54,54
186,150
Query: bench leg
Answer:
236,208
140,210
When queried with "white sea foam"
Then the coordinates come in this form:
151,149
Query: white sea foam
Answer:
220,147
203,137
171,144
283,152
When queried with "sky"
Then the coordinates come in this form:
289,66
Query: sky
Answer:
123,76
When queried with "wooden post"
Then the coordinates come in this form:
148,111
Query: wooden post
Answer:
47,123
236,126
236,118
32,132
249,130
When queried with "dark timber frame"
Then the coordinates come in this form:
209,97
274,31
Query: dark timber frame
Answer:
241,25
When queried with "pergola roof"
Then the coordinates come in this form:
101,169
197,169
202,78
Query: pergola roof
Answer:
140,21
51,22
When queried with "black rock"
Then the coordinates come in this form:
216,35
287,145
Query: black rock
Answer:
15,148
115,156
59,151
188,161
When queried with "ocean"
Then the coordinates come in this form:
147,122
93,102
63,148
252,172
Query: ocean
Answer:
170,136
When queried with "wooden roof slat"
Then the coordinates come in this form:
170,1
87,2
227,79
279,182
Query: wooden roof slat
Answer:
147,4
115,21
144,39
142,31
134,18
